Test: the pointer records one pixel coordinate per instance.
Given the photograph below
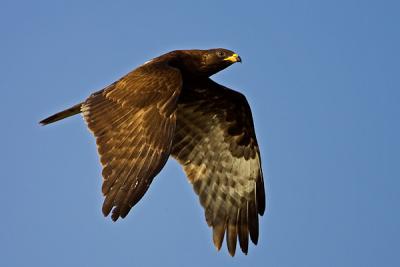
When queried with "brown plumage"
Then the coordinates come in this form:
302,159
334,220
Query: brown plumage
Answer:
169,106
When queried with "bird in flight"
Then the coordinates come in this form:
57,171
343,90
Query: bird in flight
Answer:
170,106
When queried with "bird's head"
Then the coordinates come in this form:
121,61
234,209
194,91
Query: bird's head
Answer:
215,60
206,62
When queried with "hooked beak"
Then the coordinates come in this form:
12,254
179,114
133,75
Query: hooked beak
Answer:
234,58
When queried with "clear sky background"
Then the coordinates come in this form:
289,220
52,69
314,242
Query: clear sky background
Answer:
323,81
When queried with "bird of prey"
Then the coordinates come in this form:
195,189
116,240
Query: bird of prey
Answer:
170,106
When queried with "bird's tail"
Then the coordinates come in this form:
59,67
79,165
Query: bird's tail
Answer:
63,114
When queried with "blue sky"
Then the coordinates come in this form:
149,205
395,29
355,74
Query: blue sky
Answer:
322,78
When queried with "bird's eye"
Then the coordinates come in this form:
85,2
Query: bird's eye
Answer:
220,53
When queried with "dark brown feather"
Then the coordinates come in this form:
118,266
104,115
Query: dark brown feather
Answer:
216,144
252,218
219,232
231,234
243,230
133,121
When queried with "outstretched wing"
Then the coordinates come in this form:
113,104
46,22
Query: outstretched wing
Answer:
216,144
133,121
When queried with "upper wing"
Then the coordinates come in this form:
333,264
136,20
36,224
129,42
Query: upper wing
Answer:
216,144
133,121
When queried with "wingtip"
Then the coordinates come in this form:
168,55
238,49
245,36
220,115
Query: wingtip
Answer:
114,216
254,236
217,244
261,212
218,235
